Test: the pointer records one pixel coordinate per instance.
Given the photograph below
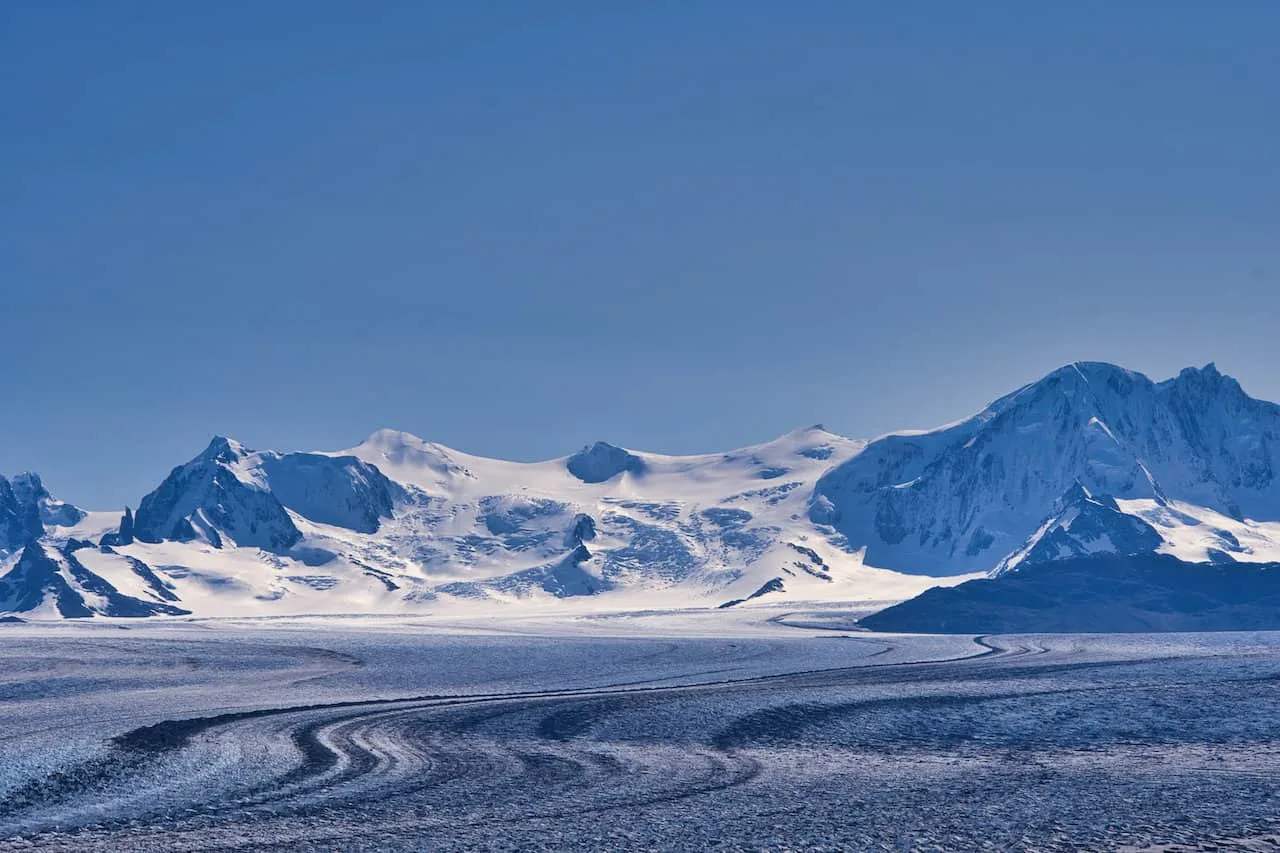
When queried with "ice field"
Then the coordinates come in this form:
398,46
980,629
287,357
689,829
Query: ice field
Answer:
760,729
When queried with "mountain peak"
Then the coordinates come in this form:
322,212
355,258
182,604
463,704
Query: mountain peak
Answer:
29,480
1095,375
1080,381
223,449
1208,373
416,460
392,438
1080,438
215,493
1107,387
1083,524
807,432
30,489
1207,378
1090,371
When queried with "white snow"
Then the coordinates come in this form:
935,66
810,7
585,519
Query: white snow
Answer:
1191,532
827,517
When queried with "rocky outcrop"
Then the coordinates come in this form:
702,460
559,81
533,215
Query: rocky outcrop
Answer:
601,462
48,581
19,520
215,496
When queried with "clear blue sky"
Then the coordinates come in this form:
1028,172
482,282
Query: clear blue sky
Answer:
515,228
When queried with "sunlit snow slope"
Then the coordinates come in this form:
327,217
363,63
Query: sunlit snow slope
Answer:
1092,459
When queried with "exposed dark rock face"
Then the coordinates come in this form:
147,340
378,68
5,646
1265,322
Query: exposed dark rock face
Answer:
602,462
124,536
19,520
1146,592
229,493
47,578
583,530
771,585
205,498
338,490
29,489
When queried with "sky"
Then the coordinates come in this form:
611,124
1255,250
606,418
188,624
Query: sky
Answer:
516,228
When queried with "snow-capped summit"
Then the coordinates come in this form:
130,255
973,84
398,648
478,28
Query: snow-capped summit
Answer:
229,492
403,453
400,523
218,494
960,498
27,510
29,489
1084,524
1091,460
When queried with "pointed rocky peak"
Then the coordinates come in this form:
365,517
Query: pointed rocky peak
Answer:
1078,497
601,461
917,502
221,455
223,449
19,519
230,494
1084,524
1079,390
121,536
29,489
1210,370
212,496
1207,375
1203,384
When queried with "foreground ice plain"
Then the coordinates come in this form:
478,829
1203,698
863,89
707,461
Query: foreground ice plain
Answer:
763,729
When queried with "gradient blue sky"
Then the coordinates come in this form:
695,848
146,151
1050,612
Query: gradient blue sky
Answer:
518,227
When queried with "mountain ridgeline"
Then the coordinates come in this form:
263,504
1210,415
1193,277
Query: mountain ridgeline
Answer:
1091,465
961,498
245,497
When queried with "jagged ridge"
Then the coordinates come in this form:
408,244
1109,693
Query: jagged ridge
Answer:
1090,460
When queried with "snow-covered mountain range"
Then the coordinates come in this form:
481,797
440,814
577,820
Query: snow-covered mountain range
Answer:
1091,459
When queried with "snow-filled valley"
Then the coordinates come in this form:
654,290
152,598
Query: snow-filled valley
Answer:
397,525
1092,459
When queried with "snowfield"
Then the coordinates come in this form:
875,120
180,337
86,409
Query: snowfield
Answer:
763,728
1092,460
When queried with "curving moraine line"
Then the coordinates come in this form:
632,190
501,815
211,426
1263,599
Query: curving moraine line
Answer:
467,761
